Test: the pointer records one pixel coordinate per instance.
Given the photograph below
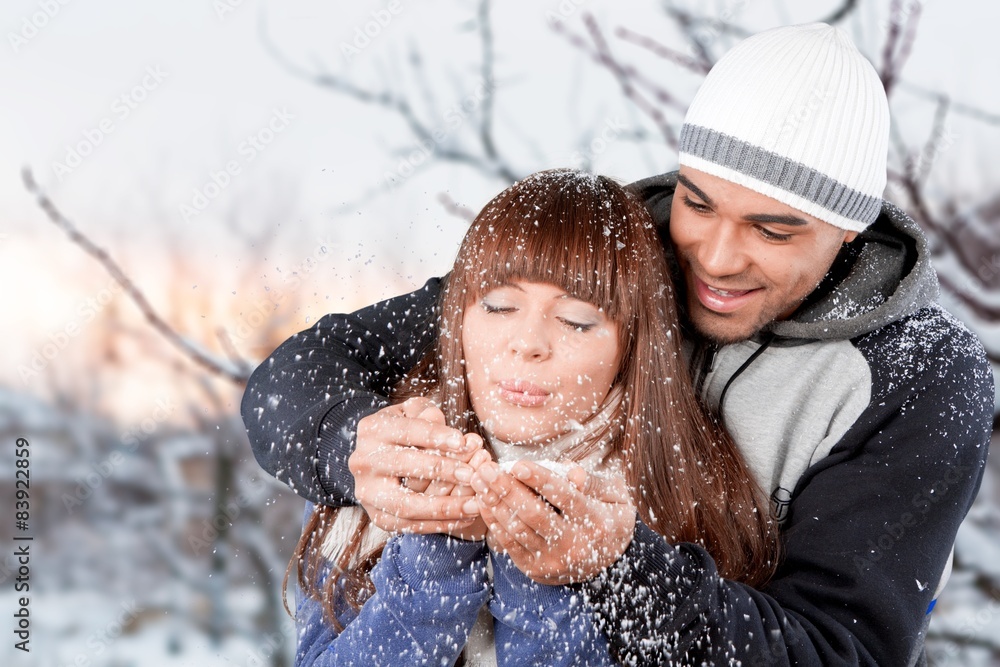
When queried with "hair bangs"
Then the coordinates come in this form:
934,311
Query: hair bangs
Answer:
558,227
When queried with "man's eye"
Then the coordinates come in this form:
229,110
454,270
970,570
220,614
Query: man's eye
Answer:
695,206
771,236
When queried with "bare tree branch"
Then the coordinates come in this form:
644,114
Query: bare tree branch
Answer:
663,51
895,9
966,640
922,168
651,110
689,26
602,55
489,163
188,348
913,180
486,40
902,33
456,209
227,345
633,75
979,309
956,107
839,14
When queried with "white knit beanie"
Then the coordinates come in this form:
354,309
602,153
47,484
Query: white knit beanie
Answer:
797,114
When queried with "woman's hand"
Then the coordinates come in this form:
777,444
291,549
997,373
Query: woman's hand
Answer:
556,531
477,531
400,450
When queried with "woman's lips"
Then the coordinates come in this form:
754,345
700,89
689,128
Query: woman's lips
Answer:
522,392
720,300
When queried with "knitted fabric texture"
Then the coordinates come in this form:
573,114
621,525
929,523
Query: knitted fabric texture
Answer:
798,114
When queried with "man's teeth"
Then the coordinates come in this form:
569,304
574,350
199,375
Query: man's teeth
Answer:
722,292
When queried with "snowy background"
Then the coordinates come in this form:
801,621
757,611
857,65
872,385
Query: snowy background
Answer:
243,167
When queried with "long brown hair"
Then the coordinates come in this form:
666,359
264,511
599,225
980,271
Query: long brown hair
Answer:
594,239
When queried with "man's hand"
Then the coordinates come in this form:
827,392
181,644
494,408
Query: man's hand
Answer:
405,447
556,531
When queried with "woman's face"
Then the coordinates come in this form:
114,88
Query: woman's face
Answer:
537,360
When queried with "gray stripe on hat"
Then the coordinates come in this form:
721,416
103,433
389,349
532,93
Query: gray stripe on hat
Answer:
781,172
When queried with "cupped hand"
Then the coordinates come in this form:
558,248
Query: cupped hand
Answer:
556,530
400,450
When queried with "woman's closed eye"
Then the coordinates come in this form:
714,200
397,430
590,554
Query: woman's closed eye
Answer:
577,326
497,308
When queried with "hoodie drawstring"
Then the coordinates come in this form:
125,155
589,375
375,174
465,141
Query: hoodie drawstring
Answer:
768,339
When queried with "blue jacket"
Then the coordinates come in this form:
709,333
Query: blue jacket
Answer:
428,592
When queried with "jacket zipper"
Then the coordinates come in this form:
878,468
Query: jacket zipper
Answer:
708,353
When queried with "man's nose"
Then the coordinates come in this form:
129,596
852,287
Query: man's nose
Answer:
721,252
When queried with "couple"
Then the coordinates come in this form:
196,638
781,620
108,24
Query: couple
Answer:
559,342
808,325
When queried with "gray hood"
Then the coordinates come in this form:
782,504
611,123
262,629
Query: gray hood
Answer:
891,277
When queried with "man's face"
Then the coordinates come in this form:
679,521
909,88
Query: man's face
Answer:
747,259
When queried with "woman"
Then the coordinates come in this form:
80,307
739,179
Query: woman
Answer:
558,340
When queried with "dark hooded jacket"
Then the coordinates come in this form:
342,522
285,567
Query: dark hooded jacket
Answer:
866,416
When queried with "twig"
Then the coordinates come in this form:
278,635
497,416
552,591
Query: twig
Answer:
456,209
628,89
930,148
687,25
840,13
227,346
662,51
629,71
956,107
158,323
986,312
492,164
890,45
893,60
486,39
965,640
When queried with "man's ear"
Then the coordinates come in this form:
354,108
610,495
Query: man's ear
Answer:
850,236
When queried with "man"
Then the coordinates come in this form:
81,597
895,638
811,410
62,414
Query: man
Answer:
861,406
